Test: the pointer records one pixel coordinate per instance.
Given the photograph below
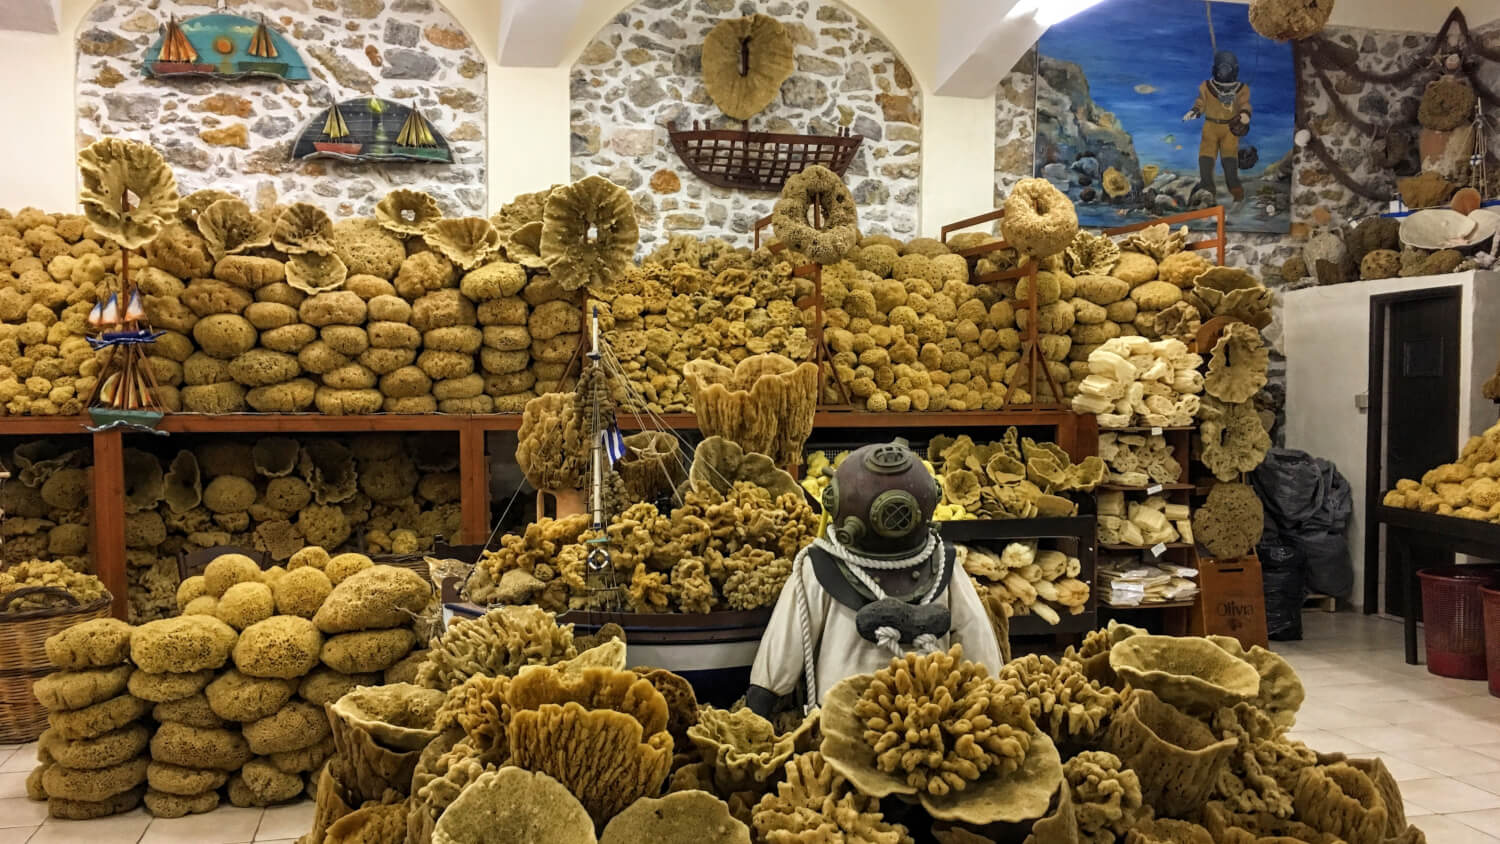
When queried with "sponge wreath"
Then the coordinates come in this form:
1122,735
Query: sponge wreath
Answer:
817,185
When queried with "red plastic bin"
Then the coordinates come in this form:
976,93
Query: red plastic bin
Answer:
1453,619
1492,635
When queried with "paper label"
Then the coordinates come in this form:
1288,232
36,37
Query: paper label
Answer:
1158,549
1153,489
1155,430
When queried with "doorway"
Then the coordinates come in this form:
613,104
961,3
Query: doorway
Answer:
1413,411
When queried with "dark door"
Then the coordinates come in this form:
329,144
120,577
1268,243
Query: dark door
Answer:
1419,387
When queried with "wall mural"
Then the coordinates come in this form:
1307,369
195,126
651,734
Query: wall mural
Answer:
1198,110
225,46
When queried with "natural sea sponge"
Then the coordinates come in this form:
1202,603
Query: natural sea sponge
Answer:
1447,103
301,592
1282,20
615,711
235,696
281,646
229,227
743,750
1176,757
1039,219
185,781
338,307
260,784
165,687
764,404
1194,675
1237,370
96,784
594,204
186,643
1232,438
162,804
512,804
1380,263
815,800
77,689
817,186
683,815
226,570
82,810
224,336
498,643
367,651
407,212
103,751
374,598
297,725
305,759
325,685
1229,523
1008,772
98,719
367,248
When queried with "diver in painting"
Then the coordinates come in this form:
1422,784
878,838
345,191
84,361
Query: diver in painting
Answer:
1224,104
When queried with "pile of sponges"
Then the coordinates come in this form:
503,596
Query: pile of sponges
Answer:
1024,579
1142,524
45,504
1139,459
1468,488
92,758
1137,381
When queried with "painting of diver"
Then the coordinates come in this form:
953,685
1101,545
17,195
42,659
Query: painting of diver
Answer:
1195,110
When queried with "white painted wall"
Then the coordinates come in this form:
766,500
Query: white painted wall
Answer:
1327,346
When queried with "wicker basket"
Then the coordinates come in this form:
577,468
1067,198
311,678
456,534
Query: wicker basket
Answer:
24,657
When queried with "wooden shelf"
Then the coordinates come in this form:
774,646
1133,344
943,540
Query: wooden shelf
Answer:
1167,545
1134,488
1146,429
1155,605
35,426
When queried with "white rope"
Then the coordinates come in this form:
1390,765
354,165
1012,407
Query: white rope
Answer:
830,543
804,621
886,636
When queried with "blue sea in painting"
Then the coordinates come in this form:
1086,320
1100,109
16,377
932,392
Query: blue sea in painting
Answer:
1143,61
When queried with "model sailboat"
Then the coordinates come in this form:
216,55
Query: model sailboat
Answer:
177,54
337,132
416,131
262,55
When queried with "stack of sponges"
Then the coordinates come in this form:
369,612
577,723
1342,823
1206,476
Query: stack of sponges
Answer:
1023,579
192,751
92,759
505,340
1142,524
1137,381
55,265
1139,459
699,301
1468,489
368,619
450,338
46,508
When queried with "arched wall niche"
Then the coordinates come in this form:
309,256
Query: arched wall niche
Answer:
642,70
236,135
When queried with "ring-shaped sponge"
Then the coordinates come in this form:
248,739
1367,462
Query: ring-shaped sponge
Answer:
817,186
1039,219
573,258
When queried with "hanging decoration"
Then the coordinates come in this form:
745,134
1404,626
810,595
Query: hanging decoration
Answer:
226,46
372,129
745,60
1454,60
128,194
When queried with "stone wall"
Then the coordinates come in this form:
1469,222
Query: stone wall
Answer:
644,70
237,135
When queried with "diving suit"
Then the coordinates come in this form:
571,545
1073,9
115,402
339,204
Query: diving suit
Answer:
1224,104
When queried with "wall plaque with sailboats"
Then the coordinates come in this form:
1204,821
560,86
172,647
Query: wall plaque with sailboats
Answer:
229,46
372,129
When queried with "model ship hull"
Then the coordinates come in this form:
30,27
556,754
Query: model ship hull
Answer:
180,68
336,148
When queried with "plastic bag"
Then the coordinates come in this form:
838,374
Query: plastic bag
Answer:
1282,580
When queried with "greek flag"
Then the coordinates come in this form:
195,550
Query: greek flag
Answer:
614,444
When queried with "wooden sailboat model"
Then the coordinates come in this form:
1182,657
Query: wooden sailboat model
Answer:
177,54
263,56
126,392
337,132
416,131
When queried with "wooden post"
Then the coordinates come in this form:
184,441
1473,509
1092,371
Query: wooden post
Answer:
474,482
109,518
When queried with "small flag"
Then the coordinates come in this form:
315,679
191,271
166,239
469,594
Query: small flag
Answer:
614,444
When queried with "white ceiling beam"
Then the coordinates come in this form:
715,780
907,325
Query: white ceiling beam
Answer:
29,15
979,41
534,33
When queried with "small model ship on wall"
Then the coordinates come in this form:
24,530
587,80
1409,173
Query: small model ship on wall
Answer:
337,132
243,47
372,129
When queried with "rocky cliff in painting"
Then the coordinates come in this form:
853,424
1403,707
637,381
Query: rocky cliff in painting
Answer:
1080,140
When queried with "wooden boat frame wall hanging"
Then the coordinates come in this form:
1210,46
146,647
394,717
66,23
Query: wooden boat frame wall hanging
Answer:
740,159
372,129
225,47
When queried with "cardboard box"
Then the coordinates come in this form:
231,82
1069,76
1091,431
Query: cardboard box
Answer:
1231,601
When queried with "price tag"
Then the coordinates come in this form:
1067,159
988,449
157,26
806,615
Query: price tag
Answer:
1158,549
447,617
1155,430
1153,489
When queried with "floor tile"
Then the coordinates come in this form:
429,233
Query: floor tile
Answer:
1444,796
22,761
18,811
1485,821
1388,737
1447,829
1402,770
293,821
16,834
224,825
1329,742
1487,782
13,785
1449,761
117,829
1415,811
1332,716
1490,750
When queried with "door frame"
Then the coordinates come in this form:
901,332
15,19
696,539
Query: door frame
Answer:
1375,425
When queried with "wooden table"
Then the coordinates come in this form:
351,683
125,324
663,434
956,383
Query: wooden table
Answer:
1406,531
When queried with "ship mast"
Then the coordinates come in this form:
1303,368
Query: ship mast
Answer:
415,132
260,44
175,46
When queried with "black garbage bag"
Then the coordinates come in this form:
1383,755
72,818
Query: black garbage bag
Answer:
1308,505
1283,567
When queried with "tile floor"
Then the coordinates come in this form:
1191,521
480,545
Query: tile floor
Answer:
1439,737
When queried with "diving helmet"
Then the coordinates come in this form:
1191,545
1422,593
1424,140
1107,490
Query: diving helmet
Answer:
881,500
